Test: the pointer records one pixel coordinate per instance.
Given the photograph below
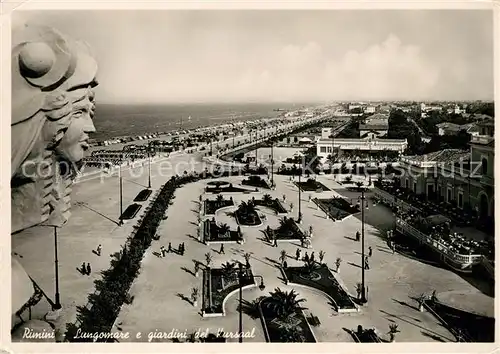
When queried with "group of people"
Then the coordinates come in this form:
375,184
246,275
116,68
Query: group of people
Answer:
180,249
85,269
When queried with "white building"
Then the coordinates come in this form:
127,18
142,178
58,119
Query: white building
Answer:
324,145
370,109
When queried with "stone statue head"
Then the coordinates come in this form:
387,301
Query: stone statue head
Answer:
53,78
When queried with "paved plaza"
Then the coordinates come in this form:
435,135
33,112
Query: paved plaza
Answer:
158,291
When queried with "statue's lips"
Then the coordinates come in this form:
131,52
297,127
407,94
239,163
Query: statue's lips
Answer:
84,144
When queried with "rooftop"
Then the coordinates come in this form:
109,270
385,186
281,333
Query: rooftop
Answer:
446,156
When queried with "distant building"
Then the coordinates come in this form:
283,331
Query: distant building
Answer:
464,179
375,126
324,147
448,128
369,109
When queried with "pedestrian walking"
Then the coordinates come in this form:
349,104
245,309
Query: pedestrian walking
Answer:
183,248
297,254
370,251
358,236
367,266
89,270
169,247
306,258
84,269
163,251
393,246
98,250
284,198
222,249
358,292
312,258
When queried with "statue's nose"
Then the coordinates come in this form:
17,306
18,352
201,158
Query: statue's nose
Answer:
89,125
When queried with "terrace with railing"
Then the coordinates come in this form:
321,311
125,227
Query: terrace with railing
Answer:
395,195
439,237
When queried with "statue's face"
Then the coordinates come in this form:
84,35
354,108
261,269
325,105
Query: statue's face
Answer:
74,143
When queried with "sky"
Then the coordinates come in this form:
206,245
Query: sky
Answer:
175,56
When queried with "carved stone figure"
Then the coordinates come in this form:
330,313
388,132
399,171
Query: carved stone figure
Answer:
53,78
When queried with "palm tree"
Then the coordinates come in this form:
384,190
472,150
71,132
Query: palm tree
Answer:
246,208
393,329
286,224
284,303
247,259
229,271
194,296
208,259
224,229
282,256
267,199
309,266
337,264
421,300
321,255
220,199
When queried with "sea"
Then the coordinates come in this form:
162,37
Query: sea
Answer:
118,120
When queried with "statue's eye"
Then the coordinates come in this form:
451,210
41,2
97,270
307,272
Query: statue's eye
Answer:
78,114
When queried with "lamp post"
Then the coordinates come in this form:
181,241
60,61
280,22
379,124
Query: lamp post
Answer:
363,287
261,287
121,189
149,169
300,214
272,162
57,305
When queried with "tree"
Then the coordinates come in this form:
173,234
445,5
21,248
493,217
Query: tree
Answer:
229,271
194,296
247,257
267,199
220,199
282,256
224,229
421,300
393,329
321,256
337,264
208,259
284,303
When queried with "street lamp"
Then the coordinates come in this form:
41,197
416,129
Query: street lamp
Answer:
272,161
261,287
121,189
363,287
57,305
149,167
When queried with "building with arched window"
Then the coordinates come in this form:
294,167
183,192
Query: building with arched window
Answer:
463,179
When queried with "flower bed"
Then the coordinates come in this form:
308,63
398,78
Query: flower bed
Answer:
250,218
472,327
323,280
143,195
211,206
276,331
312,186
217,287
131,211
226,189
365,335
337,208
274,204
256,181
212,234
288,231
